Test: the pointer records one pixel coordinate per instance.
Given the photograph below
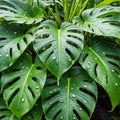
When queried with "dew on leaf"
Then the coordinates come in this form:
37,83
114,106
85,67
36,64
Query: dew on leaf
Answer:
23,66
61,118
70,60
7,55
85,101
15,33
50,92
113,70
73,95
0,55
23,100
73,118
88,67
89,62
37,87
54,58
116,84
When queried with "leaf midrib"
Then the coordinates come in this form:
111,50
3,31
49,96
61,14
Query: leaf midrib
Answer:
24,84
99,58
59,47
68,99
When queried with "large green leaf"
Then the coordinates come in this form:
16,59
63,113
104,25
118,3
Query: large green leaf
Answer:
73,99
101,59
101,21
60,47
22,84
20,12
13,42
35,113
5,113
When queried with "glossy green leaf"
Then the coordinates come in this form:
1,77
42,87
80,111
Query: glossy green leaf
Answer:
73,99
101,60
20,12
23,82
35,113
106,2
100,21
13,42
58,48
5,113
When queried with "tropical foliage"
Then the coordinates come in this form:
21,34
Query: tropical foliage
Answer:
54,53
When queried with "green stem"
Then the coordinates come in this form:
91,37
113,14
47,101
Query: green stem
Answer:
66,10
83,7
73,11
57,16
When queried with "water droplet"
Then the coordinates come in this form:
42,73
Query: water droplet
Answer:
7,55
89,63
23,99
50,103
85,86
70,60
26,67
23,66
116,84
85,101
55,90
113,70
54,58
73,105
62,101
0,55
50,92
15,33
103,53
73,118
61,118
73,95
37,87
88,67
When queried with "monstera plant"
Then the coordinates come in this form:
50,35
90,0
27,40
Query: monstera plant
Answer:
54,53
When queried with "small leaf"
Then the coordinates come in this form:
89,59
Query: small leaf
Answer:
5,113
58,48
73,99
20,12
101,60
13,42
101,21
23,83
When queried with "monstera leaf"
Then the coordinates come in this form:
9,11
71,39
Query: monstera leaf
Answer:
60,47
35,113
23,82
102,62
73,99
101,21
13,42
5,113
20,12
